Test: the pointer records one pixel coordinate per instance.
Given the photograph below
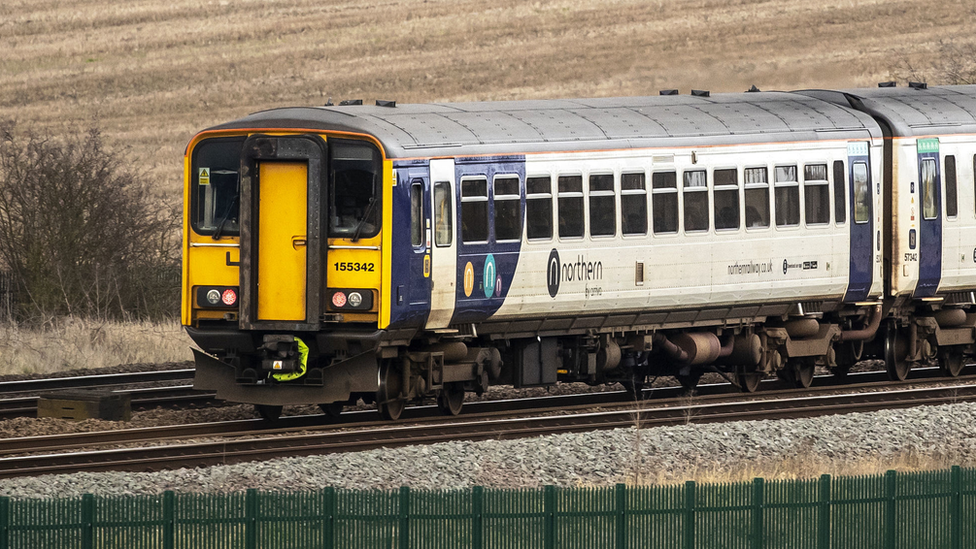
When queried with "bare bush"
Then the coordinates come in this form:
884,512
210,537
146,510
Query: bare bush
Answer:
80,232
955,63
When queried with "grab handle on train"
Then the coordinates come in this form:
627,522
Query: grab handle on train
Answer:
298,240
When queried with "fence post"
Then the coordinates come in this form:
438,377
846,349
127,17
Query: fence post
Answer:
477,521
169,519
690,514
955,508
4,522
823,515
328,517
404,517
891,484
758,502
620,504
549,510
87,521
251,519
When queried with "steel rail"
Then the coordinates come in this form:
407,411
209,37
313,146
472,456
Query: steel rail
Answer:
92,381
247,447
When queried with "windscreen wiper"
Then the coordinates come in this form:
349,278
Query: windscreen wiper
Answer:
224,218
362,222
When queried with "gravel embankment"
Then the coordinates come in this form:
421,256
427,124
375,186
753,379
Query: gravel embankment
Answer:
923,437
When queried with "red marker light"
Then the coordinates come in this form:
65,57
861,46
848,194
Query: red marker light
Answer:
229,297
339,299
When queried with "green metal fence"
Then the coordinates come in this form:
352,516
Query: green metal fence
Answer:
896,510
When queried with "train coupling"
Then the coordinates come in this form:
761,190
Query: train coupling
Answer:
282,354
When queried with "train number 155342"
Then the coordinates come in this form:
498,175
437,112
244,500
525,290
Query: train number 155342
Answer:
353,266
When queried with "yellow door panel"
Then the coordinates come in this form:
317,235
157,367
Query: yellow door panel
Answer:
282,226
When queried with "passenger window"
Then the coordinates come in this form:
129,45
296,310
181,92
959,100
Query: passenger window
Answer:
862,193
474,210
816,194
726,199
416,213
354,206
952,207
443,214
840,194
570,206
508,214
757,197
538,208
633,204
930,203
787,196
603,209
696,201
664,196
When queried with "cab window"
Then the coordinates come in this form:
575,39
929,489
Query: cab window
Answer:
216,188
354,203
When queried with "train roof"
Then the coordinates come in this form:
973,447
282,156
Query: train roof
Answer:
913,110
508,127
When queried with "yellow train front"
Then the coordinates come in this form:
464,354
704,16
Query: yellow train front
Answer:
284,261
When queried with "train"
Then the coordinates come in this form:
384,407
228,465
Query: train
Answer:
398,253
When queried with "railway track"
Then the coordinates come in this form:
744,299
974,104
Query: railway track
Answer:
15,404
240,441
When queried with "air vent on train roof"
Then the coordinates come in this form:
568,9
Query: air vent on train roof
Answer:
701,93
385,103
668,92
349,102
888,84
918,85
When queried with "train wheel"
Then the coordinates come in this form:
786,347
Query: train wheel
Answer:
799,372
451,399
333,409
950,361
748,380
846,355
389,401
690,381
268,412
896,354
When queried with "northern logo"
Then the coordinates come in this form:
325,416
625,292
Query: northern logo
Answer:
552,273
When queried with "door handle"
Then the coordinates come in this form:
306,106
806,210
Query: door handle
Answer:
297,241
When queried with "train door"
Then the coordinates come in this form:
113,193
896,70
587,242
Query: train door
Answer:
419,281
862,227
282,224
281,243
443,253
930,225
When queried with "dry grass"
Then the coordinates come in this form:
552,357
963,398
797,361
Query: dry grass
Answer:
152,73
70,344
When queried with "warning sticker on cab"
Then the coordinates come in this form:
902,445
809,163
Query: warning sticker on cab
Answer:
203,176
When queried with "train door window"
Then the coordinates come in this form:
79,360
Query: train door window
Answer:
416,213
570,206
603,208
633,204
816,194
930,204
840,198
696,201
787,196
354,209
538,208
952,206
508,211
664,197
726,199
862,192
756,182
443,214
474,209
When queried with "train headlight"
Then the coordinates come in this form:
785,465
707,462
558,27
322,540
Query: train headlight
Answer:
351,300
229,297
213,297
216,297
